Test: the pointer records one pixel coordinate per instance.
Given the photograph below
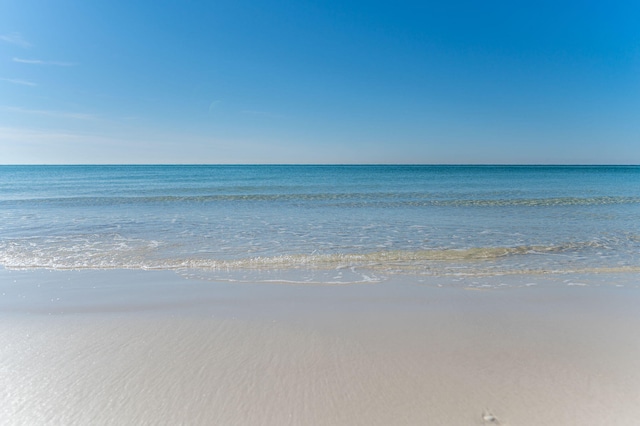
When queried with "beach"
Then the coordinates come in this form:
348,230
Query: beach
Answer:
145,347
320,295
319,213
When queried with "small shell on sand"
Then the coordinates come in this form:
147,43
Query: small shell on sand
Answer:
490,418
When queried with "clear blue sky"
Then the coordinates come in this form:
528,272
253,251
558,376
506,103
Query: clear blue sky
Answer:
286,81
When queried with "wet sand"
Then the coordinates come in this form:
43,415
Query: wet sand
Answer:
135,347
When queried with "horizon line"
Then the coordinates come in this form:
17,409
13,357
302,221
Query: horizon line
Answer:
334,164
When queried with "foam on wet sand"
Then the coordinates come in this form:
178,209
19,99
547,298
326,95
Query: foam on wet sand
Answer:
135,347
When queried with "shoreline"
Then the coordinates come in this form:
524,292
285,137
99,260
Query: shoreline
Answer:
142,347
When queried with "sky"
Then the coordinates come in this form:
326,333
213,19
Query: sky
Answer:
284,81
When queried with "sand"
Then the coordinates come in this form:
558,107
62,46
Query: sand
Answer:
136,347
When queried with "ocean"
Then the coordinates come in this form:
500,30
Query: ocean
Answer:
324,224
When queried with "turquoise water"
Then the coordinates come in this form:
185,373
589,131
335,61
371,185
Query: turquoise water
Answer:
322,223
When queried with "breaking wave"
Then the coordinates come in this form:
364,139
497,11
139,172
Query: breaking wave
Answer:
93,252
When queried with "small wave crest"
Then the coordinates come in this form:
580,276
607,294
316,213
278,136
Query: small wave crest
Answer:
343,199
117,252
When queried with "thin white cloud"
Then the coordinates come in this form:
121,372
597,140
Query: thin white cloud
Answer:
24,145
19,81
46,146
15,38
21,134
41,62
49,113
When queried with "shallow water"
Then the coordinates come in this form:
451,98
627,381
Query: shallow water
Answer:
333,224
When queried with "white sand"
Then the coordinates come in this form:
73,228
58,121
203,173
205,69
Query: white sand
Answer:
121,347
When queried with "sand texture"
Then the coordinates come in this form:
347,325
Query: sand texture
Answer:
121,347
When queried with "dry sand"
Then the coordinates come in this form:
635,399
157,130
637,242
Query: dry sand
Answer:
123,347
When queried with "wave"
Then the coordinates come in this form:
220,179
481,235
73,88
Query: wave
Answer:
344,200
121,253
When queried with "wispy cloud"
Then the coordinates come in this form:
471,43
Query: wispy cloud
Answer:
15,38
21,134
19,81
49,113
41,62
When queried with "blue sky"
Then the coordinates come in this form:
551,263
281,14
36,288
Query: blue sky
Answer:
319,82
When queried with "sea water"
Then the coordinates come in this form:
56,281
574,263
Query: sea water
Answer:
326,224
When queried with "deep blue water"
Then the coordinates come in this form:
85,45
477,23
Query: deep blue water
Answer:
338,223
